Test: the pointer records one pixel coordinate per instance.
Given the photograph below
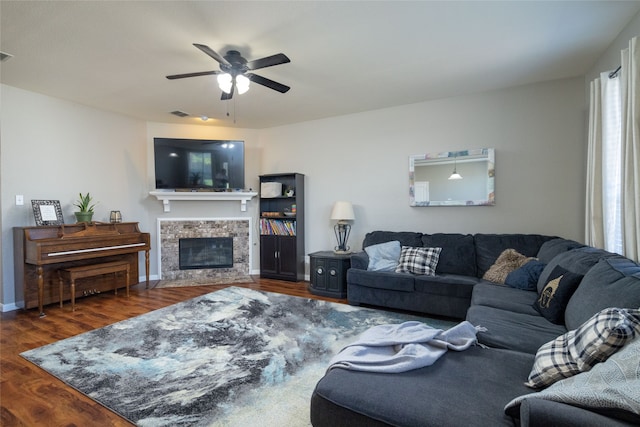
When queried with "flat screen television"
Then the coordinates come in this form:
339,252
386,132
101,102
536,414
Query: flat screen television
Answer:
195,164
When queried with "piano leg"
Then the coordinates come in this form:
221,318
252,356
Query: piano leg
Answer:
39,271
146,266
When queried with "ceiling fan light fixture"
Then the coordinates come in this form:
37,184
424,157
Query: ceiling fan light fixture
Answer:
232,71
242,83
224,82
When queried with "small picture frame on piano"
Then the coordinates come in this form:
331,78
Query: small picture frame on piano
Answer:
47,212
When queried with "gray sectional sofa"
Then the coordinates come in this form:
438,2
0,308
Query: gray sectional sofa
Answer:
472,387
464,259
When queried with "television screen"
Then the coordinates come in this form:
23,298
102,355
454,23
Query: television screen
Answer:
198,164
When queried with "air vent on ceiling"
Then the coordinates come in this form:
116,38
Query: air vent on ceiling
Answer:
5,56
179,113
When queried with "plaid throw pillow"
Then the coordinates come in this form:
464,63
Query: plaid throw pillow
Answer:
418,260
579,350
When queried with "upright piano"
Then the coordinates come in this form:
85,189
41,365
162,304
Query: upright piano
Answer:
39,252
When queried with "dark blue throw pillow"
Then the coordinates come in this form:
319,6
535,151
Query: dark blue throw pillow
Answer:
525,277
554,297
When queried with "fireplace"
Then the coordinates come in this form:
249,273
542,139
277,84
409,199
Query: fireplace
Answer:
205,252
228,259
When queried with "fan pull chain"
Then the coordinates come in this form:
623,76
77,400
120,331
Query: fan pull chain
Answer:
234,109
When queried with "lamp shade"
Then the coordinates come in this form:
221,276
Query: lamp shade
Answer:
242,83
224,82
342,211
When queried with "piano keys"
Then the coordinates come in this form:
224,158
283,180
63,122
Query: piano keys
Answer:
39,252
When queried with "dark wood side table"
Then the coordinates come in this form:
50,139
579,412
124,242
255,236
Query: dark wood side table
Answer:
328,274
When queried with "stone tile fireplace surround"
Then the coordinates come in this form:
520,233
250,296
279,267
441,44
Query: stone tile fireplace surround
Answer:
171,230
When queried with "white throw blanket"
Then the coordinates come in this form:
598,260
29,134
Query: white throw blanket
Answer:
403,347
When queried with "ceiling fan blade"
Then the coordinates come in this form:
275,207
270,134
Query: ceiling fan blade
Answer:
269,61
226,96
212,53
267,82
201,73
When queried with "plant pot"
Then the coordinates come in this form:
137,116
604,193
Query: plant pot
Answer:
83,216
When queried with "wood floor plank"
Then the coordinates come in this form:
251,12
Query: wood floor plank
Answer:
29,396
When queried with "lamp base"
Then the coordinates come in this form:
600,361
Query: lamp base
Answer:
339,252
342,230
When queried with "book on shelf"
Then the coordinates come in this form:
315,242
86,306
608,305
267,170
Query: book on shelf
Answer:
278,227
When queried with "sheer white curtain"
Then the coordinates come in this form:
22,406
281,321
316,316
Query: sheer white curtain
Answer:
613,162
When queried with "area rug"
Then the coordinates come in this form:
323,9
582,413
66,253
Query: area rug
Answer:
233,357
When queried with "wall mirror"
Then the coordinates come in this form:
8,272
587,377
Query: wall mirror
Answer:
453,178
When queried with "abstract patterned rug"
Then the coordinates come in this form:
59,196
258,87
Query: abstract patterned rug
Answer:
233,357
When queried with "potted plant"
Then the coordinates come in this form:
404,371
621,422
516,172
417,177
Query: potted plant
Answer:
84,203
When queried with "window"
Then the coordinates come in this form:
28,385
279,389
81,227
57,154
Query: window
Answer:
612,163
200,168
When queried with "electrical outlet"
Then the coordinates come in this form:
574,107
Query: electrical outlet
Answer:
19,200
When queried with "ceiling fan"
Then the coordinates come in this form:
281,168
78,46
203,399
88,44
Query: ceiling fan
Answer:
234,73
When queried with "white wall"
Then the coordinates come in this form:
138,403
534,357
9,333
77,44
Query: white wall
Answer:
610,59
53,149
537,131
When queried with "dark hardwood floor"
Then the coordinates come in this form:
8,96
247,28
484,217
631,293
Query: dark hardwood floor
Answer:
30,396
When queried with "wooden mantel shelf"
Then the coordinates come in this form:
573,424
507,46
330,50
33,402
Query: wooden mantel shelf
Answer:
167,196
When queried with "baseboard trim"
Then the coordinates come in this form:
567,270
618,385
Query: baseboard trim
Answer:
9,307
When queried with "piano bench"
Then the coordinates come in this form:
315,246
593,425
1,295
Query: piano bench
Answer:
91,270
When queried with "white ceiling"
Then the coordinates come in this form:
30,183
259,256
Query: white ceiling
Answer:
346,56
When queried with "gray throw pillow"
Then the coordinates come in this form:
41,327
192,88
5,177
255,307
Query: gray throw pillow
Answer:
383,256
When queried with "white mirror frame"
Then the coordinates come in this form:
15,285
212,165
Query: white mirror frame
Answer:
419,191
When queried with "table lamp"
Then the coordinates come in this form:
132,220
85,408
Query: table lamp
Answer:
343,213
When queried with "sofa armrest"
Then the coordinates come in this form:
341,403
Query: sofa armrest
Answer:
547,413
360,260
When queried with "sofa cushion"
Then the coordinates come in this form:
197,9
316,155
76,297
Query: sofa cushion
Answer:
525,277
453,285
458,254
553,247
381,279
540,412
359,260
553,299
612,282
579,350
418,260
508,261
430,396
577,261
514,331
505,298
490,246
383,256
406,238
